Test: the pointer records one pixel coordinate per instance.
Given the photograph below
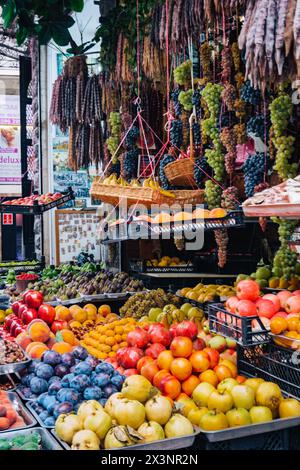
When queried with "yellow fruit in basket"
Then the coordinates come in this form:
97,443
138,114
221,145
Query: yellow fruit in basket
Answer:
115,347
278,325
291,334
118,338
123,344
2,316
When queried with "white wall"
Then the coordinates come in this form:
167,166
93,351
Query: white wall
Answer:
87,21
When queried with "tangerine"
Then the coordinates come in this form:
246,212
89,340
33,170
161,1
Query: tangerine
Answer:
293,324
200,361
278,325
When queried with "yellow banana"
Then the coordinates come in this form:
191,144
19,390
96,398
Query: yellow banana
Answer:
166,193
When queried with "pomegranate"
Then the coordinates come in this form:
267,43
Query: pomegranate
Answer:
247,290
273,299
231,303
246,308
187,328
159,334
138,337
292,305
265,308
154,350
128,357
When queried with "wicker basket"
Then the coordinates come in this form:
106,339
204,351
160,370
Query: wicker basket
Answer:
112,194
181,173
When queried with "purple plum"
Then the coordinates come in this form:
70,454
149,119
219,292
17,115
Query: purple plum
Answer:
55,378
51,406
51,357
39,409
61,370
108,390
92,361
32,365
105,367
100,380
41,398
69,395
68,359
83,368
26,379
62,408
44,371
54,388
66,380
38,385
80,382
44,415
80,353
92,393
50,421
117,380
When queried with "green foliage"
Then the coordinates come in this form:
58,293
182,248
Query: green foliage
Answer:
45,19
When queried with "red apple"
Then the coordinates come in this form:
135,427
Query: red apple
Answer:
15,306
292,305
47,313
247,290
213,355
28,315
283,296
265,308
58,325
34,299
273,299
246,308
22,309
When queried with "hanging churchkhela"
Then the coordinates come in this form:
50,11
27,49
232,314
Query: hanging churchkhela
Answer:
76,107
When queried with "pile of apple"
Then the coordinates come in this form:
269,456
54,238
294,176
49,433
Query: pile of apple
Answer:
249,303
176,360
29,201
30,308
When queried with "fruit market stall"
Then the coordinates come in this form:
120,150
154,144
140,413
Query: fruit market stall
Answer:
194,112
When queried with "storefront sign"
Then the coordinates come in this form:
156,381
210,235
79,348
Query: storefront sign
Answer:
10,155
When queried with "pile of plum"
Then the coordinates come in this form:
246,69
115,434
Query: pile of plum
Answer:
60,383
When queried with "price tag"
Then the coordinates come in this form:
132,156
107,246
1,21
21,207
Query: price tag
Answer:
7,219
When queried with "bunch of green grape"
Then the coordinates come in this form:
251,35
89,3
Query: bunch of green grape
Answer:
185,98
281,110
212,95
214,156
285,259
213,194
182,73
115,132
215,159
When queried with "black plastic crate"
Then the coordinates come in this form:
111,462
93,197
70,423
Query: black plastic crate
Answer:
236,327
272,363
277,440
